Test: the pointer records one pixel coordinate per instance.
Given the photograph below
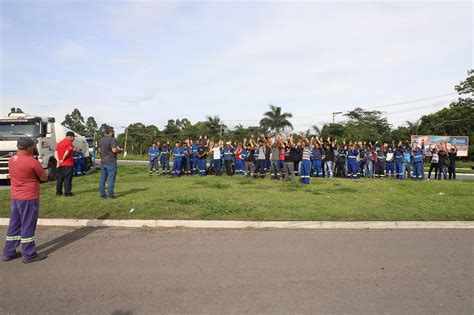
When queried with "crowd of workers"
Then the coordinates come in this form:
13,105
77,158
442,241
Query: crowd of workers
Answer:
308,157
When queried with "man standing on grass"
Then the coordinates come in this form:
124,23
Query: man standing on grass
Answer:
228,158
216,154
452,162
64,155
329,159
290,158
108,160
153,153
25,174
202,156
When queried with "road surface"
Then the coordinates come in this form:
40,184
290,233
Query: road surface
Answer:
127,271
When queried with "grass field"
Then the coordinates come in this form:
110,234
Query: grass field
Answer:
237,198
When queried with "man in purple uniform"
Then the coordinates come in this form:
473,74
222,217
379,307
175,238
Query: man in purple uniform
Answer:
25,174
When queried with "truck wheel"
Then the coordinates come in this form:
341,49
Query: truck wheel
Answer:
52,173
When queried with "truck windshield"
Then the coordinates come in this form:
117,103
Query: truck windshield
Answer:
16,130
90,142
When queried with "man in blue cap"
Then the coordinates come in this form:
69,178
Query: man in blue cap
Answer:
26,173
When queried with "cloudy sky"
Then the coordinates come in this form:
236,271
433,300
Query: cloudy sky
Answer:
149,61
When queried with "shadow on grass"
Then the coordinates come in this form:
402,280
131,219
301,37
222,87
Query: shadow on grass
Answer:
120,194
131,191
70,237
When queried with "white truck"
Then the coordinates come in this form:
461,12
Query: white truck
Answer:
45,129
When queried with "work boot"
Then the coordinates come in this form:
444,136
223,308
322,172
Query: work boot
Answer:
17,255
38,257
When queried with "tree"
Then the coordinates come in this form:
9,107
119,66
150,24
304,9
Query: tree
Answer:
139,137
413,127
75,122
334,131
275,120
316,130
466,86
214,127
101,131
457,119
182,123
366,125
91,126
193,132
172,130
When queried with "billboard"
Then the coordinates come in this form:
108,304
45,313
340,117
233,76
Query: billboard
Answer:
461,143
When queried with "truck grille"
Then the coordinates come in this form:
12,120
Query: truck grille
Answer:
4,157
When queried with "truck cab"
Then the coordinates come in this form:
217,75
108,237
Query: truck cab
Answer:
45,129
17,125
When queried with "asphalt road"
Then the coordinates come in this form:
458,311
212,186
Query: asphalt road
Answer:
127,271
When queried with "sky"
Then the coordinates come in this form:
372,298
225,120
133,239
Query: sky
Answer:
149,61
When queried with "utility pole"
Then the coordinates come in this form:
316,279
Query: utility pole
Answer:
125,144
334,116
220,134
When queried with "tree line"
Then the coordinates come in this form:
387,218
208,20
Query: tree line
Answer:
359,124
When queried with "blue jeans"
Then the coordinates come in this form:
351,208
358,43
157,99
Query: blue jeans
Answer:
217,167
369,169
317,168
109,172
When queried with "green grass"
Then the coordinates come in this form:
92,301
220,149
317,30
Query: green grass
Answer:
465,164
458,170
236,198
133,157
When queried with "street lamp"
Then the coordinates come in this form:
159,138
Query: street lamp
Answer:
334,115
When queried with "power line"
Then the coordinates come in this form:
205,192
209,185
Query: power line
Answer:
382,106
369,107
366,107
414,101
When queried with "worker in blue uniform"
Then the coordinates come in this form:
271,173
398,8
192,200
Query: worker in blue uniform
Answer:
317,156
389,162
417,163
228,158
186,159
353,163
399,155
194,148
165,158
153,154
178,154
305,170
79,162
341,157
380,160
202,157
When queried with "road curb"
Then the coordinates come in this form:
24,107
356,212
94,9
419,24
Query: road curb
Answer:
202,224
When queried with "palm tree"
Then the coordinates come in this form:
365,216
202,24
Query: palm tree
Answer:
275,120
413,126
316,130
214,126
